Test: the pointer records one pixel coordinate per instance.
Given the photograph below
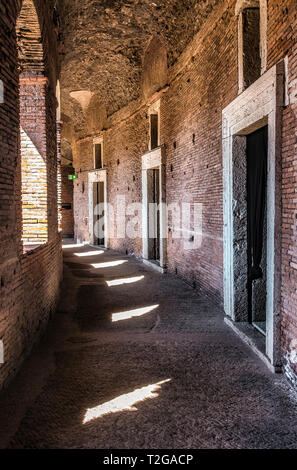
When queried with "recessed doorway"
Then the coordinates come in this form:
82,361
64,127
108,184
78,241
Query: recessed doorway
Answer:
153,197
154,226
98,208
252,214
99,213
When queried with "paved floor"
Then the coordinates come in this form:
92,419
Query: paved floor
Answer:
175,376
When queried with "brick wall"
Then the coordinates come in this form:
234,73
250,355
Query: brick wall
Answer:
124,172
201,83
67,198
123,148
29,283
289,224
83,161
191,128
282,41
29,291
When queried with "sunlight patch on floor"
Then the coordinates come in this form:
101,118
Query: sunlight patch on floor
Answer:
125,402
138,312
89,253
109,264
127,280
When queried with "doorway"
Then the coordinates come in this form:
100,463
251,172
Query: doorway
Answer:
99,213
256,155
153,198
252,287
154,212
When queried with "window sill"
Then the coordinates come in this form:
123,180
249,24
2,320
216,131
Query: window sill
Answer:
28,247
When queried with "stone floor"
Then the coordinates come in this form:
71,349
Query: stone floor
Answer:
173,377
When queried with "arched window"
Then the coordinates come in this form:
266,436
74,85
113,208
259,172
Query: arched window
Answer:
252,41
33,138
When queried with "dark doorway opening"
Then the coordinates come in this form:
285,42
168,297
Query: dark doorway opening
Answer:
99,214
154,214
257,149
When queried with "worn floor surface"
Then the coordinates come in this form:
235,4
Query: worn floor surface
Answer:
194,383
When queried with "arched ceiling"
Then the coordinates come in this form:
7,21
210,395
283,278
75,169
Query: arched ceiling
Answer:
105,42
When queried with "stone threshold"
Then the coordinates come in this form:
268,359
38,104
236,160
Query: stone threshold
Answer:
254,339
154,265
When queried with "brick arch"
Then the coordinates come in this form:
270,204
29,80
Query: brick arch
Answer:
29,38
33,127
45,21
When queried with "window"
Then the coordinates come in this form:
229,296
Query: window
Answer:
154,131
251,45
98,153
252,48
154,123
33,132
98,156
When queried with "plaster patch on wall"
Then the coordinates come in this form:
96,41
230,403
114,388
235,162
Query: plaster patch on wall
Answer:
1,352
293,351
83,97
290,359
1,92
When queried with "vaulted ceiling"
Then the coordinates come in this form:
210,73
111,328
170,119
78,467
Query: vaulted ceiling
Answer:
104,45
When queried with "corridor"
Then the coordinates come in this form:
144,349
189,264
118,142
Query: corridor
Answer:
136,359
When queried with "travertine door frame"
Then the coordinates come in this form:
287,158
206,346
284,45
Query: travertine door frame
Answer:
154,160
97,177
259,105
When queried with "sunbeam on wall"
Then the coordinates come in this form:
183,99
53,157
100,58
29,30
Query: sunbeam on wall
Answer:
125,402
34,192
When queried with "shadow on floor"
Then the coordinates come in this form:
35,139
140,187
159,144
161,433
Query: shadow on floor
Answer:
215,393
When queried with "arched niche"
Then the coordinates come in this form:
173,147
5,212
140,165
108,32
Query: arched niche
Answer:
95,115
155,68
29,40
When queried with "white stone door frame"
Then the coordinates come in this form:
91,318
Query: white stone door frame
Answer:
97,176
259,105
154,159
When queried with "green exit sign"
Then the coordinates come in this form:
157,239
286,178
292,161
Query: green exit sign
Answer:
72,177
